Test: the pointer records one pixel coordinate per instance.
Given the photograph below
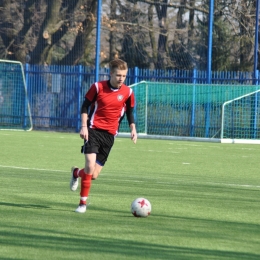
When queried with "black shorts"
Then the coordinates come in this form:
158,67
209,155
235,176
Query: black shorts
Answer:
99,142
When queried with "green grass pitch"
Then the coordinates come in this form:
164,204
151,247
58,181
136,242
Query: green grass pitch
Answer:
205,200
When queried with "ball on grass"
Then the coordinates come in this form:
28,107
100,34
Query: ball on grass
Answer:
141,207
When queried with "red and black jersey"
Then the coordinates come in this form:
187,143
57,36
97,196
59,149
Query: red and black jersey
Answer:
108,105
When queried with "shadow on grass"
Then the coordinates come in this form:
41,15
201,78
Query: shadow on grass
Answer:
38,206
33,206
71,245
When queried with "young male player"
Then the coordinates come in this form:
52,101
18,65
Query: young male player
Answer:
105,104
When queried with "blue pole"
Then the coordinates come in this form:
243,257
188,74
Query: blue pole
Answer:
26,98
255,115
209,61
256,41
79,99
256,74
193,103
136,74
99,16
210,40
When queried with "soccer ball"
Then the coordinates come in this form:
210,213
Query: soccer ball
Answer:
141,207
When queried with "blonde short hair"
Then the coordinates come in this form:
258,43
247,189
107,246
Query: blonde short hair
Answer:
117,64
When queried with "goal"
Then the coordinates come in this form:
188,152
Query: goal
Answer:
15,111
241,119
196,112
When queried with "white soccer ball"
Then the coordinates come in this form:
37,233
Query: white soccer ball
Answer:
141,207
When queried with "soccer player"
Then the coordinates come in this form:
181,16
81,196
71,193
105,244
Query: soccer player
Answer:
104,106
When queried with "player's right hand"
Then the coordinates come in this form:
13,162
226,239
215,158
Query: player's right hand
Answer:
84,133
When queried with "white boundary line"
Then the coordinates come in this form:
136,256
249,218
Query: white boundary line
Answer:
25,168
173,138
193,139
239,141
158,182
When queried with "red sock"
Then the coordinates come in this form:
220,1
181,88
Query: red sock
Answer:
81,173
75,172
85,186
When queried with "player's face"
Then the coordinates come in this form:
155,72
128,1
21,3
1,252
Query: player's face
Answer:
117,78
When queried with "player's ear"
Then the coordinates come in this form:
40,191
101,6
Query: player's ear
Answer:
111,72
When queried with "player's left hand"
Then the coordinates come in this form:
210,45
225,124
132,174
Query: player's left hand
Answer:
133,133
134,136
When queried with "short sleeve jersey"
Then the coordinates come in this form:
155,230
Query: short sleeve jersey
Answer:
108,105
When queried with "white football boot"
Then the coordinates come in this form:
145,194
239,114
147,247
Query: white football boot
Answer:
81,208
74,181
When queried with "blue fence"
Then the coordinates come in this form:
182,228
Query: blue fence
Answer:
56,92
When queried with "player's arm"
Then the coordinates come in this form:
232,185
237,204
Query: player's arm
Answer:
84,112
131,121
84,119
90,97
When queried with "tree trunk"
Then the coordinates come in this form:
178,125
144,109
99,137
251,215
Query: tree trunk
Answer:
162,41
112,33
151,34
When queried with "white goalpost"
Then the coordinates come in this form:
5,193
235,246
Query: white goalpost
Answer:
15,113
240,122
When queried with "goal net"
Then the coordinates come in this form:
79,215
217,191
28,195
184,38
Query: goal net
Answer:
14,106
140,113
241,119
196,112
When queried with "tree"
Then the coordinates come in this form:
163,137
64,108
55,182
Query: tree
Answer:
158,34
46,31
